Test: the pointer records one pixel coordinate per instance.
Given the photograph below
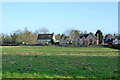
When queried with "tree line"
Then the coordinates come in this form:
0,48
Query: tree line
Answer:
28,37
18,36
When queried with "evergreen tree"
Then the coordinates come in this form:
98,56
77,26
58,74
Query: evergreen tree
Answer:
99,35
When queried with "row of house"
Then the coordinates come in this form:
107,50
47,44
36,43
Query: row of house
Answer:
112,40
81,39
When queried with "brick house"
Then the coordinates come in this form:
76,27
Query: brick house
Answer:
81,39
86,39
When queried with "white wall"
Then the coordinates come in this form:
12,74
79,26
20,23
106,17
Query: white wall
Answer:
44,40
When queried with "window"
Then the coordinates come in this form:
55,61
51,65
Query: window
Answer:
42,36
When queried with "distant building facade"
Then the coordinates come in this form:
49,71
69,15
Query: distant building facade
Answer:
64,40
45,38
82,39
86,39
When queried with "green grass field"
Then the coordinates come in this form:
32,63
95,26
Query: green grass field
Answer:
59,62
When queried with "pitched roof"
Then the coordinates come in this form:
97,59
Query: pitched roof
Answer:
45,36
83,35
64,37
86,35
93,35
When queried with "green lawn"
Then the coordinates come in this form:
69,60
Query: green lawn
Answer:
59,62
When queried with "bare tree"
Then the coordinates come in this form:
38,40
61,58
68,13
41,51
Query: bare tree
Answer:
2,39
13,38
68,31
74,34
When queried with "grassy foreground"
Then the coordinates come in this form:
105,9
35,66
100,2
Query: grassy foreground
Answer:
59,62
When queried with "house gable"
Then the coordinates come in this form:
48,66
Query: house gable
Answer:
91,36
